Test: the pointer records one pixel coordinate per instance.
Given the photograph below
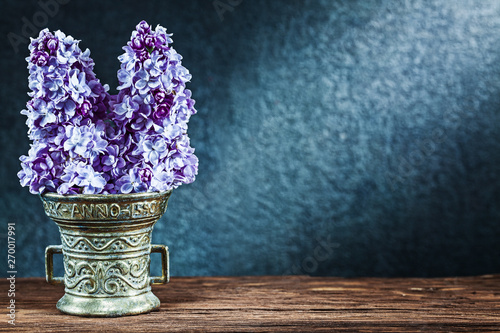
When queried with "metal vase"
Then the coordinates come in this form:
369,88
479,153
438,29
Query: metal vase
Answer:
106,247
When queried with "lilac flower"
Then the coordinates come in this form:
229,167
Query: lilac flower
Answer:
112,162
137,42
41,112
160,96
86,60
163,36
145,174
161,111
149,41
26,175
142,121
77,86
128,59
132,182
40,58
36,84
84,141
171,131
91,181
85,108
99,144
68,107
155,65
68,51
167,80
143,27
125,77
145,82
54,87
78,140
43,184
162,180
153,149
64,188
127,107
43,166
52,44
59,158
142,54
69,174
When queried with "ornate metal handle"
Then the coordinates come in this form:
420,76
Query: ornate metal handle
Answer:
165,271
49,267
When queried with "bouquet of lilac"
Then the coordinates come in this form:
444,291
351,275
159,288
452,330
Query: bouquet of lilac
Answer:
88,141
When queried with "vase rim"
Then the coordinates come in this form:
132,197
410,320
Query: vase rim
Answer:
71,197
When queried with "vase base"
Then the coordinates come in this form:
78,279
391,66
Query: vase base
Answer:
108,306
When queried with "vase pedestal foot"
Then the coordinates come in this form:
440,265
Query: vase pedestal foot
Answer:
108,306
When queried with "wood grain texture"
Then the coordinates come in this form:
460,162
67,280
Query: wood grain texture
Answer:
278,303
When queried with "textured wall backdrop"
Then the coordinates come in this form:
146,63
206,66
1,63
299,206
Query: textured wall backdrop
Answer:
341,138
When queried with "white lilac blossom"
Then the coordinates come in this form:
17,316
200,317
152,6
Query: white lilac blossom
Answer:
87,141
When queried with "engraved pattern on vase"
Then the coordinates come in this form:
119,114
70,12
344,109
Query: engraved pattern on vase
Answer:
111,265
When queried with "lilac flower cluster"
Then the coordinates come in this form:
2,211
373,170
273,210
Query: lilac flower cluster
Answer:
65,118
152,112
87,141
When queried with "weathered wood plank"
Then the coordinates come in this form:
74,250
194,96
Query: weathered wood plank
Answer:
264,303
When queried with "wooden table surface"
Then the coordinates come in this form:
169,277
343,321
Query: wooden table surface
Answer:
279,303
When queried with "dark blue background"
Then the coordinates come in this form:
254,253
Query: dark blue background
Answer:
342,138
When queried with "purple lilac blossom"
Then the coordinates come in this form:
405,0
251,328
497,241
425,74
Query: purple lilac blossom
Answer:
132,182
151,74
61,117
87,141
